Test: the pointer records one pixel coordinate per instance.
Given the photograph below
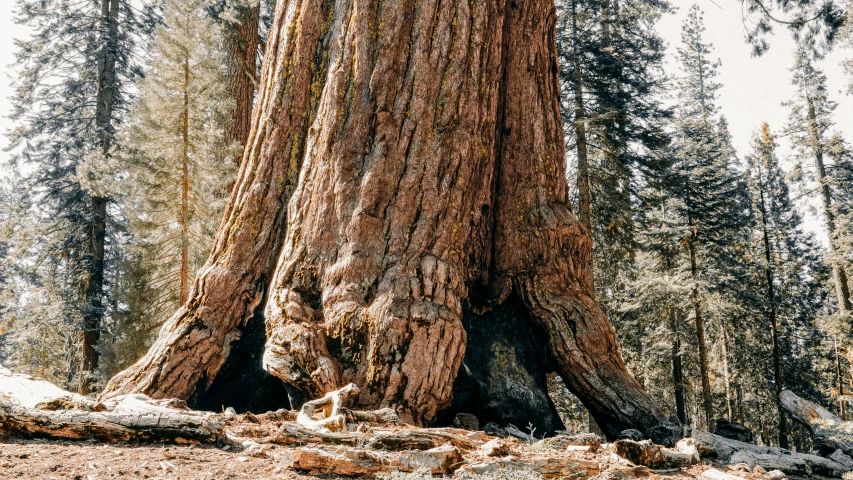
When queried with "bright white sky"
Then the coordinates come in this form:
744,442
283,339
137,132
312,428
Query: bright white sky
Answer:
753,88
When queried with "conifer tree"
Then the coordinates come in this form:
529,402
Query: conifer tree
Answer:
611,80
708,187
808,126
775,214
177,165
611,77
72,85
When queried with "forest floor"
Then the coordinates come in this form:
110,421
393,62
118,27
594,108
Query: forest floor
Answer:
67,460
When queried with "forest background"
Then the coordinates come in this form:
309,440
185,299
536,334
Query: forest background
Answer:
712,252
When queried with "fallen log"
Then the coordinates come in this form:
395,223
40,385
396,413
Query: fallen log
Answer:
726,450
31,392
655,456
361,461
829,433
714,474
132,418
410,438
31,407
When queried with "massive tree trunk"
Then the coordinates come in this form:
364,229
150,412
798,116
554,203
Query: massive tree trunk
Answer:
431,181
231,288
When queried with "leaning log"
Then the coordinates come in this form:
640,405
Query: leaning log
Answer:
829,433
729,451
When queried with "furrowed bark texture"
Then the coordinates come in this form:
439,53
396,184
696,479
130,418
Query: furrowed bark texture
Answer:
434,174
429,150
196,341
242,42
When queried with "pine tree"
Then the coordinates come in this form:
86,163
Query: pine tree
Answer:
712,198
775,217
72,86
177,166
815,22
612,79
808,125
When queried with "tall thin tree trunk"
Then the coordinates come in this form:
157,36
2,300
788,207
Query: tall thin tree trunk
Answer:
839,380
726,378
677,369
704,372
739,403
185,189
584,191
771,304
839,275
94,281
241,41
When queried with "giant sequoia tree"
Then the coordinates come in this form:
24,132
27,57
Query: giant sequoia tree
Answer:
404,185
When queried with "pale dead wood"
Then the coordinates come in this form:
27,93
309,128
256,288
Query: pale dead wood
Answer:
360,461
727,451
133,418
408,438
547,466
654,456
31,392
714,474
324,414
829,433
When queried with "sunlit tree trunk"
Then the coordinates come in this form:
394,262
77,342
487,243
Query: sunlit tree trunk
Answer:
704,373
431,180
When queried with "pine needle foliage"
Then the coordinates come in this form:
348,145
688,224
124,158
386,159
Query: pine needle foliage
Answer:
176,168
60,160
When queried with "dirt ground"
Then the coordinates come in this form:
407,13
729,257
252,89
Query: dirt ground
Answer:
42,459
70,460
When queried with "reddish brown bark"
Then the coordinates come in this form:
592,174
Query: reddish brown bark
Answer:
433,175
241,41
185,190
196,341
437,177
